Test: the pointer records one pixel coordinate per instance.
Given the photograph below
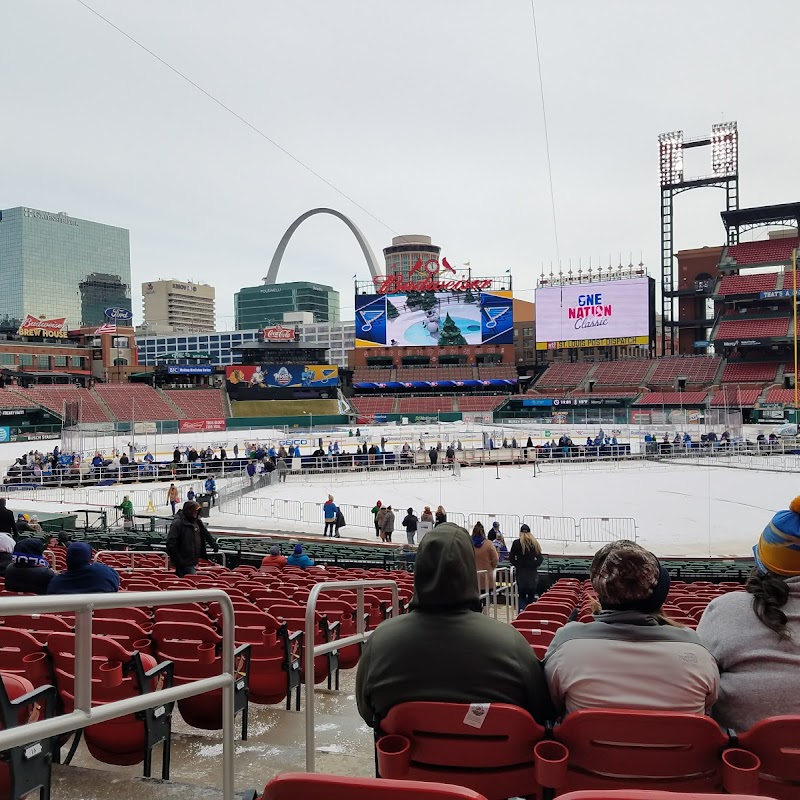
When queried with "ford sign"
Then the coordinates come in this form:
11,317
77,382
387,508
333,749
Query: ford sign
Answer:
119,314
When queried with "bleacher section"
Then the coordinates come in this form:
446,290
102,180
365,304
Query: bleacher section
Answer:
135,401
424,405
373,405
53,397
198,403
372,374
785,396
445,373
749,372
11,399
748,284
476,404
621,373
563,376
769,251
671,399
698,370
736,395
501,371
752,328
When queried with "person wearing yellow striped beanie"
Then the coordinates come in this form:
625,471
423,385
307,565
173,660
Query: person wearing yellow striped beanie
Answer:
755,634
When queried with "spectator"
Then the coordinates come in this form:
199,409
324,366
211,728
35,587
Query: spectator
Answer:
379,517
6,549
299,559
274,558
375,509
755,635
441,516
190,495
82,576
251,471
173,498
23,524
29,570
433,455
340,521
526,558
283,470
188,540
630,656
486,558
481,660
7,522
329,510
176,458
427,515
211,488
236,450
387,525
126,507
498,543
410,524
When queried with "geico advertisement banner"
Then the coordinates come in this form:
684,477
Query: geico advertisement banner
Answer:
593,314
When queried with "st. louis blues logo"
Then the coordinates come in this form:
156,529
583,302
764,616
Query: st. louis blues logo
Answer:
493,313
369,316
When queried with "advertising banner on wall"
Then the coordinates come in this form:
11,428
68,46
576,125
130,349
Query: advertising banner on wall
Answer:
605,314
428,318
46,328
189,369
260,382
201,425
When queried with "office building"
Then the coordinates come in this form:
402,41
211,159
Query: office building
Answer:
259,306
214,347
178,307
337,337
45,258
100,291
406,251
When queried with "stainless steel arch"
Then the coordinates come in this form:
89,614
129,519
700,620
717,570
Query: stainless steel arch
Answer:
272,273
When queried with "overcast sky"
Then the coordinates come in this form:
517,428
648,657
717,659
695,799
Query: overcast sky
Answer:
426,112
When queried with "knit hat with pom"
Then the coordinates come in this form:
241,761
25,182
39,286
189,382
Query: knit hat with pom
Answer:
778,549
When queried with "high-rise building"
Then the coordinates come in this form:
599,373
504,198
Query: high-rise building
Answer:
100,291
178,307
216,346
257,306
406,251
45,258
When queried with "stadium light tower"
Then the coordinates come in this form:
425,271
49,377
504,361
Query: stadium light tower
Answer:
724,143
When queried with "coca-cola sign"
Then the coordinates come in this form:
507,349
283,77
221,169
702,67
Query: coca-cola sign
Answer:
277,333
49,328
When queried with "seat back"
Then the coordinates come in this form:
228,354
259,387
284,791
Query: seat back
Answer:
776,742
292,785
642,750
492,756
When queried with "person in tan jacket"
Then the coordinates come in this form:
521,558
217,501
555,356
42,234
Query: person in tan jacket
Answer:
486,557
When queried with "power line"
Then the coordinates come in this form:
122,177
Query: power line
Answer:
235,114
546,135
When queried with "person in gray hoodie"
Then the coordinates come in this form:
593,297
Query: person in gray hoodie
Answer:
445,650
755,634
630,656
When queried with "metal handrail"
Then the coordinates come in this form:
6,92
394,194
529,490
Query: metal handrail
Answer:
84,714
312,650
487,595
509,590
164,554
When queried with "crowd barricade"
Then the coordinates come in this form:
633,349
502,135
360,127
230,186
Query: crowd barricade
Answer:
508,522
606,529
548,528
311,512
358,516
255,506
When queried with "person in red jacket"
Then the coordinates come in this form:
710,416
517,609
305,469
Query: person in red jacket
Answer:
274,558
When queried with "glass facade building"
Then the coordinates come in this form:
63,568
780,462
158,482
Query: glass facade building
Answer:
191,347
54,265
257,306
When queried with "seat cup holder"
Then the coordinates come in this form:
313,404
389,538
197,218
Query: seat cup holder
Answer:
740,769
111,674
550,760
394,756
206,652
142,646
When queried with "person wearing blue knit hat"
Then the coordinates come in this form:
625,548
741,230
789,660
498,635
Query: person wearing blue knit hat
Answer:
755,634
83,576
299,559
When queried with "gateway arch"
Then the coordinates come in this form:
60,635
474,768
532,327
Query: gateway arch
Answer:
272,273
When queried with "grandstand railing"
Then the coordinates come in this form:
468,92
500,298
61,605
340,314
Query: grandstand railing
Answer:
506,586
113,557
85,713
313,650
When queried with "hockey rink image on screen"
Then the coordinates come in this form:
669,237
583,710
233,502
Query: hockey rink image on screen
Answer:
444,319
607,313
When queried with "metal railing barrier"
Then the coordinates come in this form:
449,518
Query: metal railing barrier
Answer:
486,597
85,714
313,650
508,588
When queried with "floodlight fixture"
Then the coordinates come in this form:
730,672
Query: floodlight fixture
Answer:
725,149
670,147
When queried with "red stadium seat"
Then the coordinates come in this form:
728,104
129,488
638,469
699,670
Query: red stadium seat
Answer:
494,759
776,743
297,785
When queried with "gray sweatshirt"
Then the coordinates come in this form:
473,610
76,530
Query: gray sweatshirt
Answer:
759,673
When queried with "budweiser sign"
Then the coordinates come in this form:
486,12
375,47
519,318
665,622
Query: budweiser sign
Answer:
277,333
201,425
49,328
395,284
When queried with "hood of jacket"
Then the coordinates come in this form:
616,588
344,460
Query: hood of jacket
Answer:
445,578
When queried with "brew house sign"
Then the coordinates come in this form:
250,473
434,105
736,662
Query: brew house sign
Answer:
429,276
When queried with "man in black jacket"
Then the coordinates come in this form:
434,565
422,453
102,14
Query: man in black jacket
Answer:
187,540
477,659
8,523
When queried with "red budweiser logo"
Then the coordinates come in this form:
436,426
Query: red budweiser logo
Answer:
277,333
32,322
394,284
